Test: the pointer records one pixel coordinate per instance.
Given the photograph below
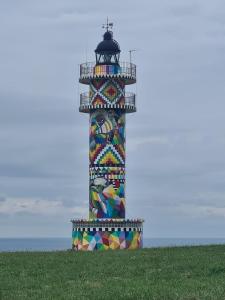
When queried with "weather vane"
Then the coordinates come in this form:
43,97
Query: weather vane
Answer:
108,25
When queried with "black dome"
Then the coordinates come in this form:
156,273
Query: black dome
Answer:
108,45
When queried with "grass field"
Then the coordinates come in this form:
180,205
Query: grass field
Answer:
188,273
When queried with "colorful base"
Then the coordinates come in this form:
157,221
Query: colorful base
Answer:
89,237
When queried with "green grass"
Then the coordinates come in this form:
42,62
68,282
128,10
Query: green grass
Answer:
188,273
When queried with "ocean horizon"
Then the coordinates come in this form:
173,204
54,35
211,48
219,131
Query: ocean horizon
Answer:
60,244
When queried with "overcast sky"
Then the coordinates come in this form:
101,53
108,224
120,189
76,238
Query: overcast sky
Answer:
175,141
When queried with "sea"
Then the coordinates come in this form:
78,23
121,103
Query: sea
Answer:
60,244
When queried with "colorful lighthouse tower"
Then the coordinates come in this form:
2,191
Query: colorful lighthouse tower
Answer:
107,105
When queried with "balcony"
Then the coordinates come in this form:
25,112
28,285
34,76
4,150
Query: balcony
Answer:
125,70
128,106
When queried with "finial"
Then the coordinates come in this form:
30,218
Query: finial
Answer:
108,25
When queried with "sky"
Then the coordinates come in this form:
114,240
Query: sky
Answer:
175,142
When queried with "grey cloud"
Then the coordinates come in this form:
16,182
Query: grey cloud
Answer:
181,10
175,142
2,199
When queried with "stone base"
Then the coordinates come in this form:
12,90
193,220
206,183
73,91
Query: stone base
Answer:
107,234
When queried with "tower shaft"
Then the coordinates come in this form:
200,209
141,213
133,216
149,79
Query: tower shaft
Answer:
107,151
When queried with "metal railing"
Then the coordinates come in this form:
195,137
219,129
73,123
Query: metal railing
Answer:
85,99
129,99
90,69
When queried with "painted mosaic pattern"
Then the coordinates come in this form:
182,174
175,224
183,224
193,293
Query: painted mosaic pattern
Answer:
107,164
105,240
103,70
107,91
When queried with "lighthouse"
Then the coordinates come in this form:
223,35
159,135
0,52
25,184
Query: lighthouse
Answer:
107,104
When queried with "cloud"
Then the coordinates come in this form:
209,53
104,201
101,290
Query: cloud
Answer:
175,141
201,211
136,142
39,207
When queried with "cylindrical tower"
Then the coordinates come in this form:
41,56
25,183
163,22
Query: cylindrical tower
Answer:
107,105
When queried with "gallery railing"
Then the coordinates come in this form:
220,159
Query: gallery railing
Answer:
129,99
124,69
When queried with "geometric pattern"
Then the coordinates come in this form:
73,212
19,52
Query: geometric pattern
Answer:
105,240
109,155
110,91
109,173
121,151
103,70
107,162
107,200
107,91
93,153
105,124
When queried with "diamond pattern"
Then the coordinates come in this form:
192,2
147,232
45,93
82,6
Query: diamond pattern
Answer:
111,91
107,91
